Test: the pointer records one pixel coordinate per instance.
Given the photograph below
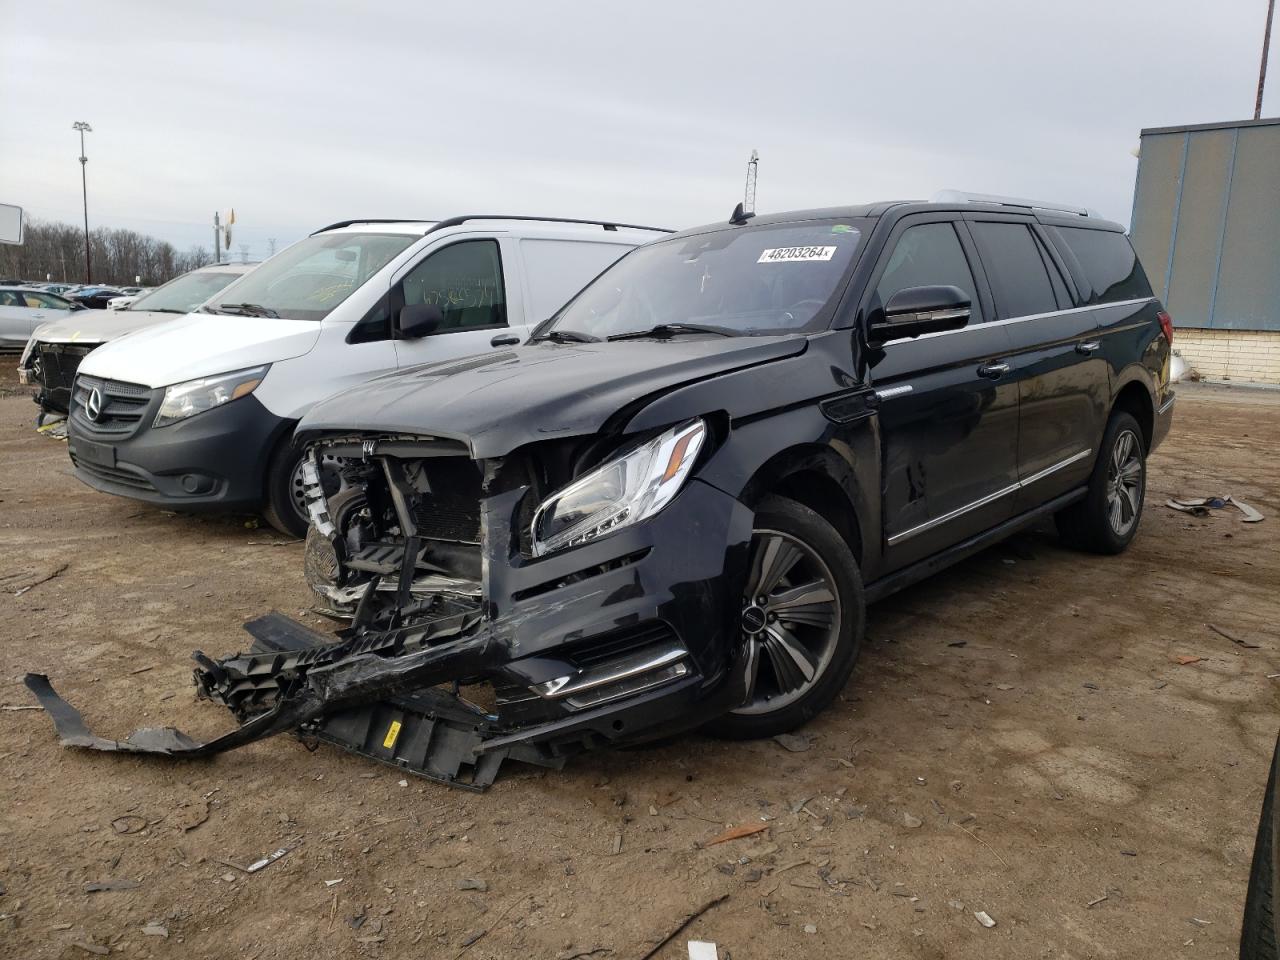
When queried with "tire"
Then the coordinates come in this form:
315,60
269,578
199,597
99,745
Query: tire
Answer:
320,557
825,631
280,503
1258,930
1093,524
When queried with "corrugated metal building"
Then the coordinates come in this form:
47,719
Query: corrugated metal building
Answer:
1206,222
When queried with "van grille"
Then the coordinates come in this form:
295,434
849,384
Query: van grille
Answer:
122,409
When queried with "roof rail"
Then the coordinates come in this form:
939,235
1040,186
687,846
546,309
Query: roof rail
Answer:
347,223
606,224
455,221
961,196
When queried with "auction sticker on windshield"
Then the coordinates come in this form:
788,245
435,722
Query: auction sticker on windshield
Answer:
796,254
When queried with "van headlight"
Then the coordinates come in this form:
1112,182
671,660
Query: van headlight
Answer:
625,490
184,400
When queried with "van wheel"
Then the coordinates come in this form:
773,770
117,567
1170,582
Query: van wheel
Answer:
1106,520
285,503
801,618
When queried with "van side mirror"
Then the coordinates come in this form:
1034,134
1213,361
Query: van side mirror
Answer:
917,310
419,319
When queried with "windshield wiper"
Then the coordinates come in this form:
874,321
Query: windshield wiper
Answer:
569,336
163,310
250,310
667,330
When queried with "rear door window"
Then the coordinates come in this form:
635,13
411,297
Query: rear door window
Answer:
929,254
1109,264
1019,280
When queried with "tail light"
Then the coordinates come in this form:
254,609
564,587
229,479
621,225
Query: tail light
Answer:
1166,325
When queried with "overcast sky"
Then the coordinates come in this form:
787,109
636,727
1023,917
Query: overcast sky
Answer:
299,114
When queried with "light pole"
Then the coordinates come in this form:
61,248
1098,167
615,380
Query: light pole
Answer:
84,128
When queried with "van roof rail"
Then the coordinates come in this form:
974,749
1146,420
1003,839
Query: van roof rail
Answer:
606,224
348,223
961,196
456,221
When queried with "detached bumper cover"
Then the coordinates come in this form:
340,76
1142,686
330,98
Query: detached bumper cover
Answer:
549,631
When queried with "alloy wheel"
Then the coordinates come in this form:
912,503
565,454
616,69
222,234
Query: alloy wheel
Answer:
790,621
1125,482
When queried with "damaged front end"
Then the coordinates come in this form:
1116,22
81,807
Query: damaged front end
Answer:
615,636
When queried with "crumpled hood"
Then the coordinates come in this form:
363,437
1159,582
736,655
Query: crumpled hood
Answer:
499,401
98,326
199,345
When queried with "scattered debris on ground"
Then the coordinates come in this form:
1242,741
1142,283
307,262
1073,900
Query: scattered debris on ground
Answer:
1204,506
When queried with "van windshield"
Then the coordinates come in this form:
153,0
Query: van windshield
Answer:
774,278
309,279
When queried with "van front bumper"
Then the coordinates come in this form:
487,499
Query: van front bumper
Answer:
215,460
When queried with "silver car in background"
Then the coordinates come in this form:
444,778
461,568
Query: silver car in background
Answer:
23,309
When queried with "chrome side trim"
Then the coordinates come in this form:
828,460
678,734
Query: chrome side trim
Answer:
1164,407
1040,475
888,392
619,669
1030,316
989,498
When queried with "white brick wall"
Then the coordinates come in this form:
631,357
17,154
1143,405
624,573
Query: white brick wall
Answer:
1242,355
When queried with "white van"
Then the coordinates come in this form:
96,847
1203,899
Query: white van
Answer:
199,412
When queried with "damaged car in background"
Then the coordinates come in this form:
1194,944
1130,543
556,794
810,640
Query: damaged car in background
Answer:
669,508
56,348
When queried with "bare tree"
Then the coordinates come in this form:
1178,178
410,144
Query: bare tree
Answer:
56,251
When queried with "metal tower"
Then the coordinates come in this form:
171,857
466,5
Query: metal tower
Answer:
749,194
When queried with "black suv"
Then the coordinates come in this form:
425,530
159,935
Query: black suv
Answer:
670,507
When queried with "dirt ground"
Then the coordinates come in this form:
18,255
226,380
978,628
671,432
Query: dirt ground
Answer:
1018,739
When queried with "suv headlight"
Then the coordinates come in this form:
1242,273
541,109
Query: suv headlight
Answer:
625,490
184,400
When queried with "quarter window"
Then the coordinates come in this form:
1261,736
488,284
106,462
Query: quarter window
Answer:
1109,264
1019,280
465,281
929,254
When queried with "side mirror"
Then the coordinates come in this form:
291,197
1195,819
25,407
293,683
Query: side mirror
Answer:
419,319
917,310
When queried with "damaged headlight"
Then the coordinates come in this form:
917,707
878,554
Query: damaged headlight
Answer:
623,491
184,400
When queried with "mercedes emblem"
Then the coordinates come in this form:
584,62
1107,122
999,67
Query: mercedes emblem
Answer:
93,405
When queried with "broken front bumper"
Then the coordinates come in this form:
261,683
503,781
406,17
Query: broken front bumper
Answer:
624,639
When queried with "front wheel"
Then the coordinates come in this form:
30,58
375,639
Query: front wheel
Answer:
801,619
1106,520
285,500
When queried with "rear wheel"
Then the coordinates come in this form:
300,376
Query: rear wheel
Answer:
801,620
1107,519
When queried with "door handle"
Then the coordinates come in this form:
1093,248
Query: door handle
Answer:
1088,346
993,370
505,340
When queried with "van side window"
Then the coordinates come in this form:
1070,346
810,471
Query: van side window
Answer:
1019,280
925,255
1109,264
555,270
465,281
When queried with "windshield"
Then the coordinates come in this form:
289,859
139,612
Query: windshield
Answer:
310,278
767,279
183,294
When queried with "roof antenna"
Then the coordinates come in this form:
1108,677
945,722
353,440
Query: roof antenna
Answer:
738,217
